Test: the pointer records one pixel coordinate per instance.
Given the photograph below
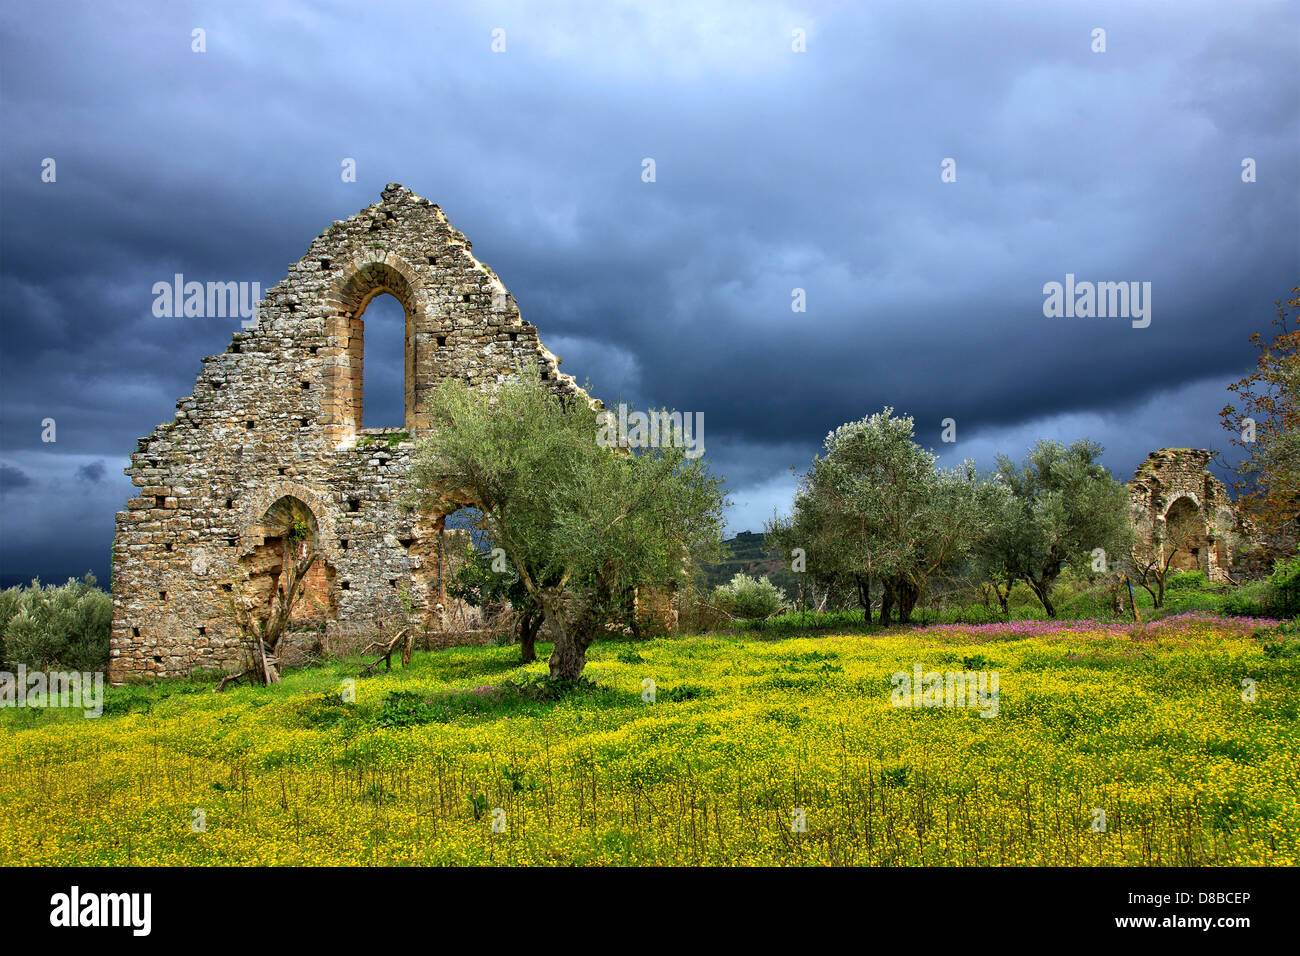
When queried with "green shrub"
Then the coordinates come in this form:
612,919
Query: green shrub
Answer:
323,711
750,599
1252,599
1285,585
406,708
11,600
1276,596
1181,580
1185,600
59,627
1091,602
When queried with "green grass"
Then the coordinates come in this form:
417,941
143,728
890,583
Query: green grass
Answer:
1150,725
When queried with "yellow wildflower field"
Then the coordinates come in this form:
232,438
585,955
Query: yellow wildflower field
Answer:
1171,744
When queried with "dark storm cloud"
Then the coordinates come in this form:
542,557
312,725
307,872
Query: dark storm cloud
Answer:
12,478
775,171
92,472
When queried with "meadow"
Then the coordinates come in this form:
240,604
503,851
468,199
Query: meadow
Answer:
1149,724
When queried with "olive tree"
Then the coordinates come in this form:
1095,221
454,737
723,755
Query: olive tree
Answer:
806,540
1062,506
998,549
875,507
583,524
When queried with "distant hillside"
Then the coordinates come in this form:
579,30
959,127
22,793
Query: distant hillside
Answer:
749,554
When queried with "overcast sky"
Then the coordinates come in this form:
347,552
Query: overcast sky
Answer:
775,170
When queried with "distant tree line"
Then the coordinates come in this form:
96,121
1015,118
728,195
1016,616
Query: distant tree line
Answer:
877,517
56,627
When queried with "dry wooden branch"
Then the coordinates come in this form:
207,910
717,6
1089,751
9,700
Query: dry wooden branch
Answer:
232,678
404,639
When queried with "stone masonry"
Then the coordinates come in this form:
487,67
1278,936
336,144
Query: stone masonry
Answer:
278,417
1176,499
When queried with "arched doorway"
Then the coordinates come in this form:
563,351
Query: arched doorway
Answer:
1185,532
453,553
285,529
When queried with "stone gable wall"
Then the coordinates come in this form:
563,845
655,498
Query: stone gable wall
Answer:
1174,484
279,414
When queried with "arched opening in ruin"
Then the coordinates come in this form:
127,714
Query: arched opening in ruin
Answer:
1185,532
383,390
380,296
467,566
284,530
454,558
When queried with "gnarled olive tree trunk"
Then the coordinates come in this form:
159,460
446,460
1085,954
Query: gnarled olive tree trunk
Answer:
887,598
1042,588
574,631
530,622
908,593
863,582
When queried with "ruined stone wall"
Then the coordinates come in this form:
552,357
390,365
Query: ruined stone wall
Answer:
1175,498
279,414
